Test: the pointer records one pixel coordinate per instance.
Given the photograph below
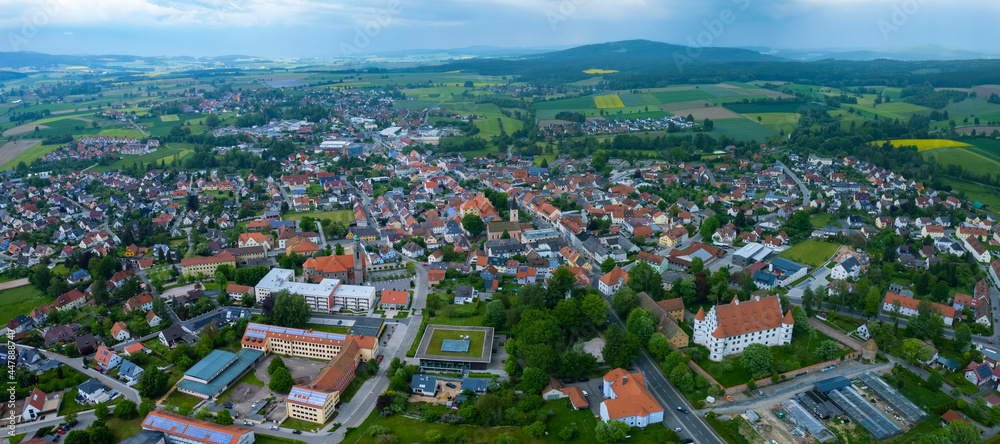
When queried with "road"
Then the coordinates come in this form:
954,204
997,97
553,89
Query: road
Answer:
692,425
795,177
83,420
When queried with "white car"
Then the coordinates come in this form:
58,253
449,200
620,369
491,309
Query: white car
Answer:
585,394
274,427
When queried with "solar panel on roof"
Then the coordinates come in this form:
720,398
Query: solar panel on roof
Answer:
196,432
166,424
221,438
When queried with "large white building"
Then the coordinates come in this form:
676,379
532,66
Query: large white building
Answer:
728,329
908,307
629,400
329,295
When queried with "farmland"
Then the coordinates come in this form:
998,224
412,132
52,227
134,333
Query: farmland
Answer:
741,129
969,160
776,121
925,144
600,71
609,101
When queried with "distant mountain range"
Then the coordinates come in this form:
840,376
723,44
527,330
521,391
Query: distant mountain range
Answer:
905,54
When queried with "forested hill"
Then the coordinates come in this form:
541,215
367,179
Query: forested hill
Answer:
643,63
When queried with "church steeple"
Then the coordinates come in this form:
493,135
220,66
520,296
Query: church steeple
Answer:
359,261
512,204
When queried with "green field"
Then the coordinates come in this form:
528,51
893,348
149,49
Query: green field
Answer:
823,219
776,121
969,160
987,147
977,192
20,300
721,91
810,252
765,108
122,429
345,216
680,96
740,129
476,339
329,328
565,104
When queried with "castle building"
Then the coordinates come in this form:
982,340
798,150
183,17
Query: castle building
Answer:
728,329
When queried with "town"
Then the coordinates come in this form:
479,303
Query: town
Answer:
308,264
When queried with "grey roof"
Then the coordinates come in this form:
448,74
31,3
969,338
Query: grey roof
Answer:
90,386
146,437
128,368
367,327
475,384
424,383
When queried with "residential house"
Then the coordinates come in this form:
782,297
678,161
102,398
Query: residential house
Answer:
609,283
629,400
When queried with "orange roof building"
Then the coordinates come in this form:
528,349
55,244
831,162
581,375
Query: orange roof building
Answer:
180,428
908,307
629,400
317,400
728,329
394,299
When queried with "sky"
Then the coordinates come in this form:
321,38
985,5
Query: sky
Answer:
339,28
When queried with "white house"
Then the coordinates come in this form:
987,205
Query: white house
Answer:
629,400
612,281
92,391
728,329
908,307
107,358
848,268
120,332
37,404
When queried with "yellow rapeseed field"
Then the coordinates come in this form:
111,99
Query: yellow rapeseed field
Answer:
609,101
600,71
925,144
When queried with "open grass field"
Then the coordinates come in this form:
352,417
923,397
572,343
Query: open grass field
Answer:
924,144
968,159
565,104
723,90
846,118
476,339
122,429
20,300
11,150
629,99
179,399
823,219
260,438
345,216
608,101
166,154
680,96
169,118
776,121
491,127
977,192
763,108
987,147
810,252
741,129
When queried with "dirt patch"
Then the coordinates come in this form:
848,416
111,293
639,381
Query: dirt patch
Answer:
984,91
671,107
779,430
23,129
244,392
82,119
714,113
10,150
13,284
978,129
594,346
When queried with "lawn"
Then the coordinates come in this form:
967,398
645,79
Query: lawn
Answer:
181,400
810,252
268,439
957,379
798,350
822,220
565,104
20,300
476,339
166,154
977,192
305,426
122,429
463,315
169,118
345,216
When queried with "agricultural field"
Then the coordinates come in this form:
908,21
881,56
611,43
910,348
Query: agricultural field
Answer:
680,96
169,118
924,144
969,160
165,154
776,121
600,71
741,129
20,300
608,101
810,252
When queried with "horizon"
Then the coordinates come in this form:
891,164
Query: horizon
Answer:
351,29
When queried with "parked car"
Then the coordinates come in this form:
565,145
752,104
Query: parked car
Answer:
583,379
687,441
568,380
61,432
450,385
677,429
682,409
585,394
227,405
730,398
760,393
296,432
274,427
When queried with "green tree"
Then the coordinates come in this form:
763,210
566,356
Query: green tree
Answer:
697,265
610,432
559,286
625,301
496,314
473,224
224,418
77,437
101,411
203,414
757,359
963,337
935,380
290,310
641,324
594,310
964,433
505,438
873,303
708,228
643,278
147,405
535,429
659,346
608,265
827,350
281,381
125,409
620,348
275,364
533,380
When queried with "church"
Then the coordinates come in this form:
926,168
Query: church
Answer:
352,268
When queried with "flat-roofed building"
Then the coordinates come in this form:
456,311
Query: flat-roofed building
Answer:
328,295
305,343
206,265
179,429
317,400
218,371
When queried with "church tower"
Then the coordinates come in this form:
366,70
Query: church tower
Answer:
512,204
359,262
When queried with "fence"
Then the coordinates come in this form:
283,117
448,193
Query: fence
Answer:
840,337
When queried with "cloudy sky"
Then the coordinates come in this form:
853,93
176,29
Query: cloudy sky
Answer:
332,28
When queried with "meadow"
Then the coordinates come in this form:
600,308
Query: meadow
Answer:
969,160
680,96
740,129
345,216
810,252
20,300
776,121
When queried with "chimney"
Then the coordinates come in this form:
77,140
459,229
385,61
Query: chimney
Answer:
624,379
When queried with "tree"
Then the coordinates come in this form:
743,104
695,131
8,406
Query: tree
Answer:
659,346
964,433
203,414
697,265
153,383
963,337
535,429
101,411
608,265
611,432
620,348
125,409
338,249
533,380
911,348
873,303
496,314
224,418
473,224
433,436
594,310
71,418
643,278
281,381
147,405
290,310
275,364
625,301
827,350
935,381
641,323
77,437
559,286
708,228
757,359
505,438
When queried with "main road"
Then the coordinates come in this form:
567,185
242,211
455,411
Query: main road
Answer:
692,426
